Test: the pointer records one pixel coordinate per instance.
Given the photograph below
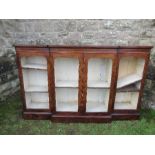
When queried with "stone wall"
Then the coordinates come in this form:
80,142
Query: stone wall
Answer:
72,32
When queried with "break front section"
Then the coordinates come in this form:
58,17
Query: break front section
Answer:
100,66
33,73
132,67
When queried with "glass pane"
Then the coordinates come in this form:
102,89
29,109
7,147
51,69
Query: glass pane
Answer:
99,72
67,99
97,100
37,100
66,72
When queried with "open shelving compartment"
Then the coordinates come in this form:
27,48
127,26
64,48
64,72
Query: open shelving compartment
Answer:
98,84
66,84
130,75
35,78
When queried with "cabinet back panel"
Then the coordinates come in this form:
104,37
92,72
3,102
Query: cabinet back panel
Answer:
37,100
97,100
126,100
130,65
34,77
66,69
99,69
66,99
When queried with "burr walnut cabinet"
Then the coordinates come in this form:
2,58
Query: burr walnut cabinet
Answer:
82,84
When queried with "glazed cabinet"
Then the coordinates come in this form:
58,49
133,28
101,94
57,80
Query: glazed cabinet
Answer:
82,84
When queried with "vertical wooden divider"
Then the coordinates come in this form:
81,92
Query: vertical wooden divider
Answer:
51,82
114,78
145,69
20,75
82,85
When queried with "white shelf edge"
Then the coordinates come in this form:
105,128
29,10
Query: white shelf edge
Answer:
34,66
63,84
36,89
127,80
98,84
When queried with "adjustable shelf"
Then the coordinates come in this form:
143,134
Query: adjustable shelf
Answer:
64,84
34,63
135,87
82,84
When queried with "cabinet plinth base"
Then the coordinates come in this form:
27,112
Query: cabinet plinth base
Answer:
63,118
37,115
81,118
125,116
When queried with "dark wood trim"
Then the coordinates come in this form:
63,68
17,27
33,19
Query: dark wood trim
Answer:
143,80
52,83
82,85
37,115
20,75
81,118
125,116
84,46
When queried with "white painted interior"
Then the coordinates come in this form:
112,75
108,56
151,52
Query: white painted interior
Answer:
36,62
37,100
66,72
99,72
130,71
126,100
35,80
97,100
67,99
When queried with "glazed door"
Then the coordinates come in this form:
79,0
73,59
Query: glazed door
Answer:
99,80
66,66
32,63
132,66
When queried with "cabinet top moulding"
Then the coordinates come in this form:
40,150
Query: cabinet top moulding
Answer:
83,47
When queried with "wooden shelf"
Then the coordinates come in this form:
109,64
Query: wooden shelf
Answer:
34,66
36,89
130,88
65,84
98,84
127,80
35,62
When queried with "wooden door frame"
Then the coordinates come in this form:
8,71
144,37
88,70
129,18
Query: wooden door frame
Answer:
30,52
136,53
102,54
